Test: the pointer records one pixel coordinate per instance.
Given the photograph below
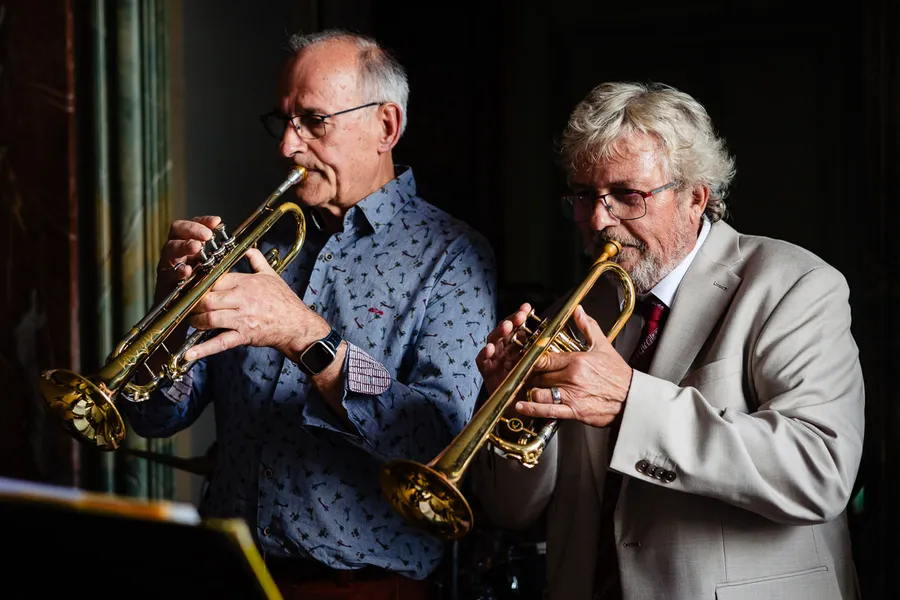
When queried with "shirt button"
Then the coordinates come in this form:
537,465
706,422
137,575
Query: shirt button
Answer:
328,256
267,531
312,307
267,473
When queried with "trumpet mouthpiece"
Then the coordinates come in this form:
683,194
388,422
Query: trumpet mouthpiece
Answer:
611,248
297,175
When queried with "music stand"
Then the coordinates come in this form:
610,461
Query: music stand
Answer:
64,542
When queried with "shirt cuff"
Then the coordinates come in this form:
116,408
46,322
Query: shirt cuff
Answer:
365,375
177,391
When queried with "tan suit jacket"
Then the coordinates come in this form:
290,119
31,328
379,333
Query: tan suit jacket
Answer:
740,447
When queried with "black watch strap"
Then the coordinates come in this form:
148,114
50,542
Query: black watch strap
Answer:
320,353
333,339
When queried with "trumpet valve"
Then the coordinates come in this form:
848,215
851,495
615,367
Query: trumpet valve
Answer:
215,250
205,261
223,237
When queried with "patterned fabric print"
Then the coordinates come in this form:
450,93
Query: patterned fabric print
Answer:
412,291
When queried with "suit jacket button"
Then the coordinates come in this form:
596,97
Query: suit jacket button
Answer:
651,470
641,466
669,476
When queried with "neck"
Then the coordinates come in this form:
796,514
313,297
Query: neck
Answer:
330,219
332,214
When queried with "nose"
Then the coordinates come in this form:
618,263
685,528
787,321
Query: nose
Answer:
291,142
601,218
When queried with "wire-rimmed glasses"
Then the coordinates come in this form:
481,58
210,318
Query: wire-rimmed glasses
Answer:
309,126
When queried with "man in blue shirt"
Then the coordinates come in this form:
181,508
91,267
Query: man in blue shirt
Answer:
399,292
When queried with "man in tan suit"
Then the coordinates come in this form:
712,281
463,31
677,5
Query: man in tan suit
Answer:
725,424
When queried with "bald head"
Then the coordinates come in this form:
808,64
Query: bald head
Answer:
330,70
381,77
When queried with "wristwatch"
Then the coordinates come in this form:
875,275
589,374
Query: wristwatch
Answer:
320,354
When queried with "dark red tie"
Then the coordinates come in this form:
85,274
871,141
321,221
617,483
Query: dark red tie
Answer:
607,584
654,313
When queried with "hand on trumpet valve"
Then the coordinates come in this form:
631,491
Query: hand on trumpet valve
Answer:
179,255
503,348
255,309
590,387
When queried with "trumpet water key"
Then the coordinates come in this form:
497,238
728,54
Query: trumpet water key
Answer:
87,404
428,496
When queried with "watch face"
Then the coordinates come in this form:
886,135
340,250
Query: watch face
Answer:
317,357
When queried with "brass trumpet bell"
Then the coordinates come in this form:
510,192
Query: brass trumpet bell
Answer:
86,408
427,498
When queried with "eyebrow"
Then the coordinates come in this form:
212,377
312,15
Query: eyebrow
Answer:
308,110
622,184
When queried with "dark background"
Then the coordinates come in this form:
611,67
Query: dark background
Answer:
804,94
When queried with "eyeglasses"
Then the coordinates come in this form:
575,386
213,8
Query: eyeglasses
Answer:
624,205
308,126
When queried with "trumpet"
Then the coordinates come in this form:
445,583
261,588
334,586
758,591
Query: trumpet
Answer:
87,404
428,496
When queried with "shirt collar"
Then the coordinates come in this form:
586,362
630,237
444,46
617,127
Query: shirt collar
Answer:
666,288
378,208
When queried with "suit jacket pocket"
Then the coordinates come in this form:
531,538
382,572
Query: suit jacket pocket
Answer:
714,370
812,584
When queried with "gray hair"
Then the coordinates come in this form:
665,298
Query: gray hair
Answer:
382,77
693,153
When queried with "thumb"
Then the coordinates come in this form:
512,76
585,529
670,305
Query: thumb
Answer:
258,262
588,326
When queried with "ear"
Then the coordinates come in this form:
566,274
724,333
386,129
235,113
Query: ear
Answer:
390,116
699,198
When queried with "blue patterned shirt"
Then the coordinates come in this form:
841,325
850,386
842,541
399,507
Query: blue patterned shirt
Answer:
413,292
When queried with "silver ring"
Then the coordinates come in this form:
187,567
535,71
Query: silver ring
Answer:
554,392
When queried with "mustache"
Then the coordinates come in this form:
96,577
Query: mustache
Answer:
600,238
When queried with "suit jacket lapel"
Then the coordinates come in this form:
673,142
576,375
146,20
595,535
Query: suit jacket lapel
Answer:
702,297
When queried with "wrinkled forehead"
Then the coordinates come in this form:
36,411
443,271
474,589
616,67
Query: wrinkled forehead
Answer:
321,79
630,158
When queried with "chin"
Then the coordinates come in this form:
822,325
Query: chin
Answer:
310,195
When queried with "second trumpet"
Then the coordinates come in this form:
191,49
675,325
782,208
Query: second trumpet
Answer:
428,495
